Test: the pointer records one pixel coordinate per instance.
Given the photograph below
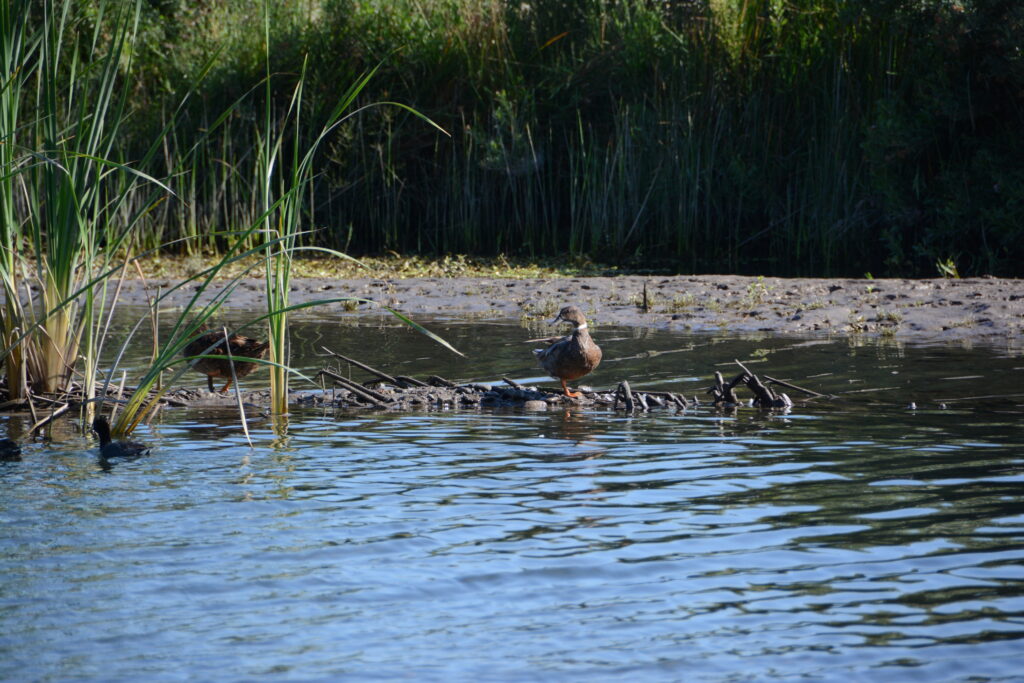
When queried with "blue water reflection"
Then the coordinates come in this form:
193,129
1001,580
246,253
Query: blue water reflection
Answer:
850,540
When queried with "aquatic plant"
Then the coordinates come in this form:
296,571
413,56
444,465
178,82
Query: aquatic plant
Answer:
64,188
71,207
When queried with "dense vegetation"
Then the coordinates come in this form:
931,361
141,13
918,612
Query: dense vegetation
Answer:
785,137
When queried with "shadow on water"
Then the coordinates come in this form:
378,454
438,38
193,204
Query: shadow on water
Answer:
852,537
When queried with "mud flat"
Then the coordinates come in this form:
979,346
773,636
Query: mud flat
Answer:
982,309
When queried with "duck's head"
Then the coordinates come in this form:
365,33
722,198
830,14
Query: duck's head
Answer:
102,428
571,314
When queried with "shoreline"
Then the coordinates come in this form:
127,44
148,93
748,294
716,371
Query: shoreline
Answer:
980,309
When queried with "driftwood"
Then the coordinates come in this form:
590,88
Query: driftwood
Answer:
724,394
357,389
794,387
399,380
400,392
627,396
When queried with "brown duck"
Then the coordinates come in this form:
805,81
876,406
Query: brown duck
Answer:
239,346
570,357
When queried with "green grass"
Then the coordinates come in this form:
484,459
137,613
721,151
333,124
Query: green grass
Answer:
789,138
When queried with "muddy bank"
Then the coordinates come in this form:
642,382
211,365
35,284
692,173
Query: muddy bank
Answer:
989,309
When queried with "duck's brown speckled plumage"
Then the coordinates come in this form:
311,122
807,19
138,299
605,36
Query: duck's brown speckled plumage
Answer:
570,357
240,347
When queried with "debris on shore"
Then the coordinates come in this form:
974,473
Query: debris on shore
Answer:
384,391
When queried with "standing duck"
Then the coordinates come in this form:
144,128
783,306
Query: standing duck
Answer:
116,449
239,346
570,357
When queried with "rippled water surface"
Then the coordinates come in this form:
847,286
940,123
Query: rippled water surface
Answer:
851,539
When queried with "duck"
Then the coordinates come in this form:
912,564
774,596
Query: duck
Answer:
240,347
571,357
116,449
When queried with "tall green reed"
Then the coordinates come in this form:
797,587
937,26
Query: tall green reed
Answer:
722,135
65,189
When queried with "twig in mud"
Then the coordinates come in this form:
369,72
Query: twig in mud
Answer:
512,383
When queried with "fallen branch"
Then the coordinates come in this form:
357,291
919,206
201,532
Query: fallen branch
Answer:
627,396
794,387
57,412
373,371
357,389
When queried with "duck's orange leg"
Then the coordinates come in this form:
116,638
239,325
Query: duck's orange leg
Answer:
570,394
225,389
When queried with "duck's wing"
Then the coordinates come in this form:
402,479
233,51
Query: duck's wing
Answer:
244,346
557,348
548,340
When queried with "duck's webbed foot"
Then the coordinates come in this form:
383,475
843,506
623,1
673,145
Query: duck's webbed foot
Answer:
570,394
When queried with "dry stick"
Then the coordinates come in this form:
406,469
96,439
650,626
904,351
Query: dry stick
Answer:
627,396
437,380
512,383
795,387
725,393
410,381
382,375
48,401
975,398
28,391
765,396
238,392
120,395
866,391
361,391
744,367
49,418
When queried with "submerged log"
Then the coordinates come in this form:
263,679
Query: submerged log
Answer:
724,394
627,396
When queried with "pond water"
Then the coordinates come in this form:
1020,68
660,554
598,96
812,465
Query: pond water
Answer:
850,539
